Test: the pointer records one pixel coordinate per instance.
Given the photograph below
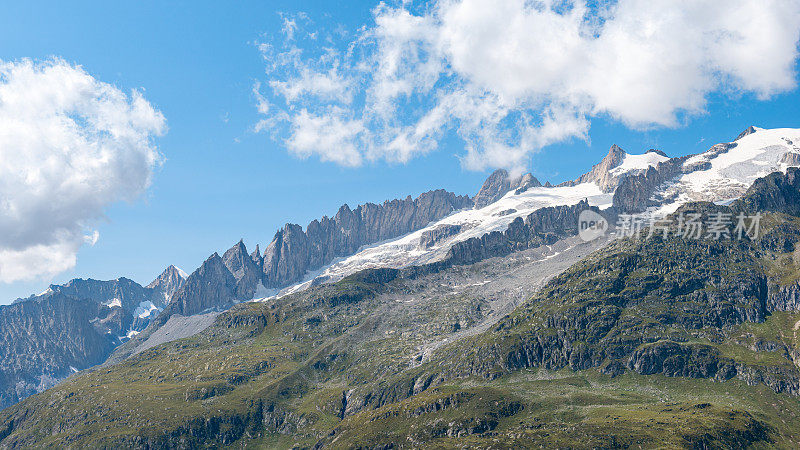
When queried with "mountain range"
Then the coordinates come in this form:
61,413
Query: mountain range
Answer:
446,318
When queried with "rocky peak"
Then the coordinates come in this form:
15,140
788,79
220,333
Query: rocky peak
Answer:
656,151
170,280
499,183
212,286
256,257
749,130
601,172
526,182
246,272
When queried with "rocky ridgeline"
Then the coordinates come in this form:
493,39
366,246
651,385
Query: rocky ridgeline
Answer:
71,327
601,172
236,276
636,192
293,252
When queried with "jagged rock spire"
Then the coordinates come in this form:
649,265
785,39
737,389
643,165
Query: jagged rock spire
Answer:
499,183
169,282
257,258
749,130
246,272
601,172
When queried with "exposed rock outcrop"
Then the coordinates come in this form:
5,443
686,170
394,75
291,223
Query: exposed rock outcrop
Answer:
634,192
294,252
499,184
169,282
67,328
244,269
777,192
543,226
791,159
432,237
210,287
601,172
749,130
43,341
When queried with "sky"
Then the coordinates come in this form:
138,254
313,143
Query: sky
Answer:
135,135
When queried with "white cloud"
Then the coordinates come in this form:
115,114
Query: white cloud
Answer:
329,86
329,136
70,145
512,76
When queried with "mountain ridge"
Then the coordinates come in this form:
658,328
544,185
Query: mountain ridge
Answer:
693,335
437,227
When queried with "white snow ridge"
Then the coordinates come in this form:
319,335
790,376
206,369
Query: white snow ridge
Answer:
722,174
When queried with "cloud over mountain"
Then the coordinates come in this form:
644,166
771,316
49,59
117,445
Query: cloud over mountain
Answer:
512,76
70,146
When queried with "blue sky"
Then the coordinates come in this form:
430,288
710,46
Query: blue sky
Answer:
197,62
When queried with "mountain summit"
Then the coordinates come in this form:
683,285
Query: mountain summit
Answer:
169,282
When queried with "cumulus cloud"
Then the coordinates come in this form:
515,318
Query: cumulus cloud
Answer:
70,145
512,76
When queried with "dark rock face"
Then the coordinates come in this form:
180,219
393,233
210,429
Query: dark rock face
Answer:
218,284
74,325
244,269
499,183
293,252
541,227
432,237
601,172
676,360
634,192
169,282
212,286
287,259
776,192
42,340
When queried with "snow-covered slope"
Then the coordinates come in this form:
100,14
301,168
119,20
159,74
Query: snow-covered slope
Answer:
726,171
409,250
637,163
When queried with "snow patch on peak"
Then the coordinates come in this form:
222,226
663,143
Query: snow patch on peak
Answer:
181,272
638,163
113,302
47,291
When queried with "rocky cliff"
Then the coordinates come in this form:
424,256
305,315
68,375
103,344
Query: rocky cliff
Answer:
293,252
169,282
499,184
68,328
212,286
